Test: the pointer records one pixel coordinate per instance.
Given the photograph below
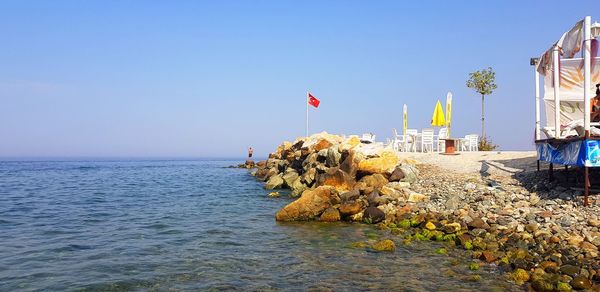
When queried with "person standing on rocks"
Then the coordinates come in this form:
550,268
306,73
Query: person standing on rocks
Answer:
250,152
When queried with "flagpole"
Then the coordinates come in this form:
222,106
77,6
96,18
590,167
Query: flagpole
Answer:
306,101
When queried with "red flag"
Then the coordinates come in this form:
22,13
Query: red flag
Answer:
313,101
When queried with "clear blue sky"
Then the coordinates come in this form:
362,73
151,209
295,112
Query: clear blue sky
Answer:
208,79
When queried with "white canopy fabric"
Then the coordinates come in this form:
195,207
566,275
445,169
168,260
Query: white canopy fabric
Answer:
569,44
571,90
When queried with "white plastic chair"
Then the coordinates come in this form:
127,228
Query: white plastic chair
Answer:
411,140
398,141
427,140
440,142
368,138
470,143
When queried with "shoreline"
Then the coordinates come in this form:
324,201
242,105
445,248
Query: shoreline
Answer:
493,205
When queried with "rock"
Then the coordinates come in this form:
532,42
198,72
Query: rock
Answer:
274,182
531,227
336,178
309,176
373,215
478,223
350,143
452,227
322,144
487,257
569,270
310,205
594,222
369,183
416,197
350,163
261,164
429,226
391,192
350,195
333,157
273,195
373,198
249,163
453,203
385,163
581,283
289,177
397,174
330,215
574,240
298,187
261,173
350,208
410,173
534,199
470,186
520,276
384,245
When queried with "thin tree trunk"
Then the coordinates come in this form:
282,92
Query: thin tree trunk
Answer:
482,118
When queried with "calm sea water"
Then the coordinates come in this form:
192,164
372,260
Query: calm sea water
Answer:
190,225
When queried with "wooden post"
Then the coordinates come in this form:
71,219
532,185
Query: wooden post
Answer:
586,188
538,165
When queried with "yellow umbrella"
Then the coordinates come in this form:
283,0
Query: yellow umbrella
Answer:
404,119
438,119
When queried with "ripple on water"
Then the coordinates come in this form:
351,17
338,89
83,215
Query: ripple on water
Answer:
189,225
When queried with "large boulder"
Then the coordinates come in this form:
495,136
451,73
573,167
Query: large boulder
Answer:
350,162
333,157
385,163
350,143
261,173
336,178
351,208
322,144
289,177
274,182
309,176
297,187
410,173
369,183
310,205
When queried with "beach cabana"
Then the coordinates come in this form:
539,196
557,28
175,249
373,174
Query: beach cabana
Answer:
570,70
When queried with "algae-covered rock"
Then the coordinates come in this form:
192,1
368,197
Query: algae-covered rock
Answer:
520,276
441,250
473,266
384,245
429,225
358,244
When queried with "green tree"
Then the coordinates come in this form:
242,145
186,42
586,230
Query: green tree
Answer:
483,81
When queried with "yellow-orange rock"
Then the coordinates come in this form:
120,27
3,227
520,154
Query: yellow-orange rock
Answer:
322,144
310,205
385,163
330,215
336,178
350,143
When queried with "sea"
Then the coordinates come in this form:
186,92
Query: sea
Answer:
194,225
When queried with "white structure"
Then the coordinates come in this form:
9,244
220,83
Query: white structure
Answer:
563,89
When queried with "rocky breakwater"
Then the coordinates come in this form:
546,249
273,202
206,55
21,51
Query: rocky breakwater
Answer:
338,179
519,224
